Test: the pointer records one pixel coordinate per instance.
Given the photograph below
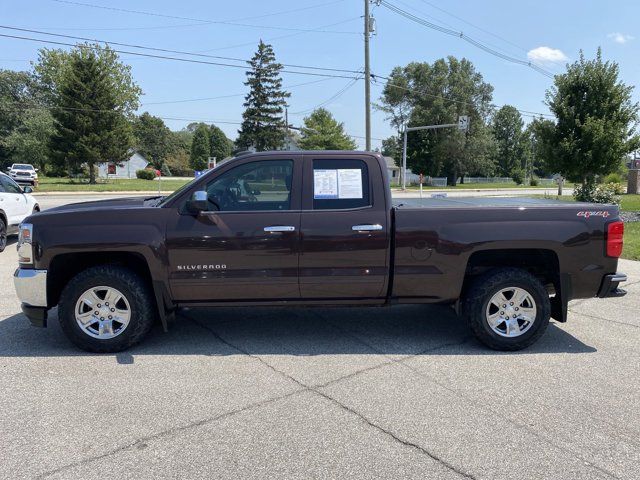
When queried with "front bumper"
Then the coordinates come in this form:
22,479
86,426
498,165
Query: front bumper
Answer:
609,286
31,287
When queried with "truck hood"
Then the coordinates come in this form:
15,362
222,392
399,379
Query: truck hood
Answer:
116,203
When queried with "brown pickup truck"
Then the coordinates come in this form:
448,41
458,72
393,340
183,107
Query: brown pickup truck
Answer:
312,228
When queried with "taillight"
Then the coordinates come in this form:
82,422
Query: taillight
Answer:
615,231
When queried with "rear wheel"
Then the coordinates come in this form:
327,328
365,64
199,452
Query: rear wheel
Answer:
106,308
3,235
507,309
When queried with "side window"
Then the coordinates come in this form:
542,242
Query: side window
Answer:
340,184
262,185
9,185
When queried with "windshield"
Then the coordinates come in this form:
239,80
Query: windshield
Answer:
19,166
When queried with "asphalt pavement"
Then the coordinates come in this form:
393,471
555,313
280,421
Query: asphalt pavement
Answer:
402,392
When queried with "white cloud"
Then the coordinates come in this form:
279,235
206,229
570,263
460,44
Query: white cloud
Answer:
620,38
546,55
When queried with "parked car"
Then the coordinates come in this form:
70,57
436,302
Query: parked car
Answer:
313,229
24,173
16,204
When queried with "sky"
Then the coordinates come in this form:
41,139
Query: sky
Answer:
326,33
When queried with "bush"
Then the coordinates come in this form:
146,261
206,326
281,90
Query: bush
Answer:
165,170
607,193
178,163
146,174
518,176
534,181
613,178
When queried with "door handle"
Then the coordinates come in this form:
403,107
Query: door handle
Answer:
280,228
367,228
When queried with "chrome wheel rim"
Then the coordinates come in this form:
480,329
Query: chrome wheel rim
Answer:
102,312
511,312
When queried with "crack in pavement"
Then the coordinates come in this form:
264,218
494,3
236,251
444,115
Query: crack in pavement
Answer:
595,317
166,433
336,402
473,402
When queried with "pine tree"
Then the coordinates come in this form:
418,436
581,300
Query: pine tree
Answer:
323,132
220,145
200,148
263,123
90,126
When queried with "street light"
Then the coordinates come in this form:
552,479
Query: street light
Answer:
462,125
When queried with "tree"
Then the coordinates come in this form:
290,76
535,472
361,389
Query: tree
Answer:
153,139
323,132
220,145
263,126
392,147
19,97
438,93
200,148
89,115
53,67
511,142
595,121
30,142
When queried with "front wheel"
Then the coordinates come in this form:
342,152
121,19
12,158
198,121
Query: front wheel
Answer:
507,309
3,235
106,308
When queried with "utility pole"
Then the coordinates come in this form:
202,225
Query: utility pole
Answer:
367,78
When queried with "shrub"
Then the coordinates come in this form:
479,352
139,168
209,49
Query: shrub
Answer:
178,163
607,193
165,170
534,181
146,174
613,178
518,176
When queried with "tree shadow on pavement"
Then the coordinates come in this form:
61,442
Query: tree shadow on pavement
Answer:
399,330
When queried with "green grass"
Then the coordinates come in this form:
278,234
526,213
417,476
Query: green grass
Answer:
631,250
478,186
112,185
630,203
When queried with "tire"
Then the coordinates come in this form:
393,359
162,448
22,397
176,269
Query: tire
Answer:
484,316
136,299
3,234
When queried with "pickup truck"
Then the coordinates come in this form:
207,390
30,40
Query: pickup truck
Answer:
315,228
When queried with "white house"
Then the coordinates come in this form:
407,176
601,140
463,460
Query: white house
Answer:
125,169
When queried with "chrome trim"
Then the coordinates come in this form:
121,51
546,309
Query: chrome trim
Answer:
280,228
367,228
31,286
619,277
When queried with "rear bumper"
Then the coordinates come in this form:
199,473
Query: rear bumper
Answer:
609,286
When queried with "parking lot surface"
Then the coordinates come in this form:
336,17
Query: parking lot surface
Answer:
402,392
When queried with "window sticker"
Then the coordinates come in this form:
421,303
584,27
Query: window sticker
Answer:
349,183
325,184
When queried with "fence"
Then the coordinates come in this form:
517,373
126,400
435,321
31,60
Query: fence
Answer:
488,180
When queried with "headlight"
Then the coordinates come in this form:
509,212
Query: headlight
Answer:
25,249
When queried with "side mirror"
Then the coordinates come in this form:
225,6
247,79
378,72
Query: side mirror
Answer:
27,189
198,202
36,169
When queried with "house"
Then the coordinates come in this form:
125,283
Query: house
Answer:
395,173
124,169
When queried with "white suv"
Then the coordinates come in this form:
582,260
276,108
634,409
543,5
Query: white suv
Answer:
16,204
24,173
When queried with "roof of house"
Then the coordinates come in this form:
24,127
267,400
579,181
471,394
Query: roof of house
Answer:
391,163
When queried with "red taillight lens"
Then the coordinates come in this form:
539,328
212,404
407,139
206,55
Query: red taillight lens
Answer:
615,231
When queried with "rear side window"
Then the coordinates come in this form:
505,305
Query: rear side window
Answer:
340,184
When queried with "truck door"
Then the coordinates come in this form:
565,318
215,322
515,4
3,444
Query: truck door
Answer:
345,228
246,247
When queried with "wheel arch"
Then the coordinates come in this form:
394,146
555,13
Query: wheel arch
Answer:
63,267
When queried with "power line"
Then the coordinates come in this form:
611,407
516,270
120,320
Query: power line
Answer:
527,113
286,87
336,95
178,59
165,50
203,21
466,38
